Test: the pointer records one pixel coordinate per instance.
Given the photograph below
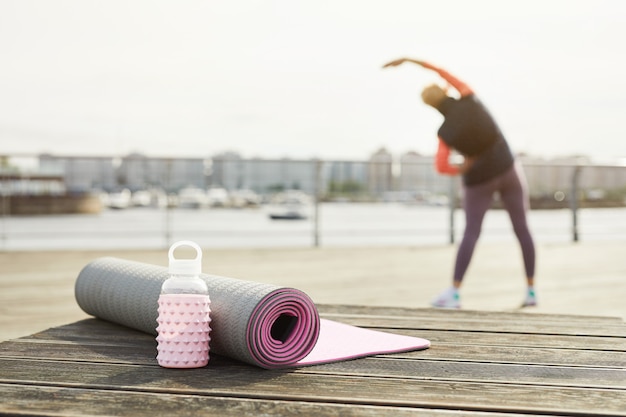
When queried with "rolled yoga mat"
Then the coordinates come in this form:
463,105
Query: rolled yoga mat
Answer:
261,324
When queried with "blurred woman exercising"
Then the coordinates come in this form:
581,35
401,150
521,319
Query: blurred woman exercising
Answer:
489,167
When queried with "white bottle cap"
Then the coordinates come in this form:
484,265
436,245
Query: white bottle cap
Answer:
185,266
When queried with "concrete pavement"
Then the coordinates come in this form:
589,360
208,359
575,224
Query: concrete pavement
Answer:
37,288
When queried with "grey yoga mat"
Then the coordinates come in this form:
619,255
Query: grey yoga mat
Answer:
257,323
260,324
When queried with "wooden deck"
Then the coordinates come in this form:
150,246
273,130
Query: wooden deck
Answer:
480,363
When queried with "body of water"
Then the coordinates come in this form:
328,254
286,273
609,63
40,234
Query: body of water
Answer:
339,225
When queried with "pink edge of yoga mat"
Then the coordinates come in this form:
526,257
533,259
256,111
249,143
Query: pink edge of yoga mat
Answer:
339,341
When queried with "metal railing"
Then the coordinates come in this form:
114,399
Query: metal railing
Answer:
332,185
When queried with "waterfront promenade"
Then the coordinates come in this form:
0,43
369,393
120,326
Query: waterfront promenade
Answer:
585,278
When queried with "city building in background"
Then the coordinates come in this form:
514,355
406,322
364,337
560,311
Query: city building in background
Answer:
81,174
380,173
419,178
409,178
137,172
230,171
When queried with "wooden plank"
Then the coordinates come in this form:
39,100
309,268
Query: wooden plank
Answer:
435,363
96,335
455,320
25,399
144,351
459,338
494,324
92,330
99,332
462,314
519,356
560,376
82,331
232,380
138,353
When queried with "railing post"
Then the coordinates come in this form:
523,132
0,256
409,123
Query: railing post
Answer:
5,204
168,213
574,201
316,202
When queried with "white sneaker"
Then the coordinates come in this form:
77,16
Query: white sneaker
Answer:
531,298
447,299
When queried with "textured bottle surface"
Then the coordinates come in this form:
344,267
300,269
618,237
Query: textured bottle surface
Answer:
183,330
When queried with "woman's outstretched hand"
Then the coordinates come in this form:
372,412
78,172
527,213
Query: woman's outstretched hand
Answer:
401,61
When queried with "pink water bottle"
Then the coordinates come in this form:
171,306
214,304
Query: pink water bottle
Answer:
184,313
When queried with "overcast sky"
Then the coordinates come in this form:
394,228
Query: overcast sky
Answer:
303,78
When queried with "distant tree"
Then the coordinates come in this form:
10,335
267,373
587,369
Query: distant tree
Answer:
275,188
345,187
352,187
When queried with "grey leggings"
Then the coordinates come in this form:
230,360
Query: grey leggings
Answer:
511,186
